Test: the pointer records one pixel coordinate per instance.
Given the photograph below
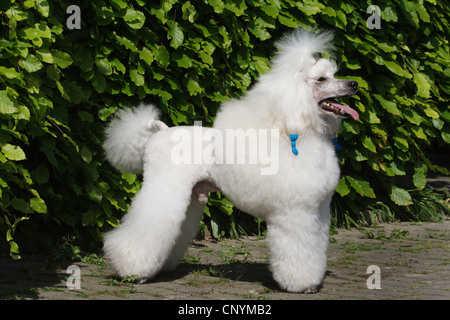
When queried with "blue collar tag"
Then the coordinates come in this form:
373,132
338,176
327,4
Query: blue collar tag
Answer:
294,137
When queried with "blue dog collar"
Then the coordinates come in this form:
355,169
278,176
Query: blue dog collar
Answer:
337,146
294,137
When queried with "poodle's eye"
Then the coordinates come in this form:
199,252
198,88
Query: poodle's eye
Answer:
321,79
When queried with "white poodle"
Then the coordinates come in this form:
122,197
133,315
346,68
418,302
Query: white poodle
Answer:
270,152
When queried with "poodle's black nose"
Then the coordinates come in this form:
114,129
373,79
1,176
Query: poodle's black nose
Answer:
353,84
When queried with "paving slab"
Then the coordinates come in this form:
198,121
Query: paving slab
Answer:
411,261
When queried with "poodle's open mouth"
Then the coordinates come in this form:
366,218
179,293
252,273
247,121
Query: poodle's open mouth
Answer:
341,110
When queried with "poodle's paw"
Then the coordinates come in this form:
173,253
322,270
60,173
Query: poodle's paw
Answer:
311,290
142,280
308,290
301,288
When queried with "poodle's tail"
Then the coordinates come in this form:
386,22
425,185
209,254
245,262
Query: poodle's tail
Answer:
128,134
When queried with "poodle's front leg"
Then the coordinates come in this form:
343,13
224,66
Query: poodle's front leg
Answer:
297,250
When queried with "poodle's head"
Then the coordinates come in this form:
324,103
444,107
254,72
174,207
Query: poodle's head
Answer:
303,85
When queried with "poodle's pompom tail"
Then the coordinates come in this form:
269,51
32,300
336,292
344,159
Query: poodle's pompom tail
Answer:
127,136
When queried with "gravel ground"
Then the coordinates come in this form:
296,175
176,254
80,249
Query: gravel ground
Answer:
411,261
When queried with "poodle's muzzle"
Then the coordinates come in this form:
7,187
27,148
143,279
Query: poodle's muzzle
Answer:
342,89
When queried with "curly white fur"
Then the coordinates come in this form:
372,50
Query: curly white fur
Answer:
294,201
127,136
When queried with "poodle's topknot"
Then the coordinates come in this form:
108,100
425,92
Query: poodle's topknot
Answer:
307,43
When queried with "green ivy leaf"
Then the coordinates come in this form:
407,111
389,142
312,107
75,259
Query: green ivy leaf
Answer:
176,36
369,144
128,44
162,56
423,85
419,177
14,250
193,87
20,205
446,135
62,59
395,68
401,143
259,31
38,205
86,154
113,221
183,61
43,7
361,186
188,11
261,65
62,91
45,55
23,113
94,193
390,106
206,58
431,113
10,73
134,19
270,10
7,105
287,21
14,12
83,57
218,5
88,218
99,82
119,4
13,152
104,66
400,196
31,63
137,78
418,131
146,55
342,187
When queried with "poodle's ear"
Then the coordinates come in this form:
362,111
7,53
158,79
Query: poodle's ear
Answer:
299,110
304,65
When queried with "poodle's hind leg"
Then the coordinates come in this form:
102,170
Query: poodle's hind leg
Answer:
188,230
297,249
141,245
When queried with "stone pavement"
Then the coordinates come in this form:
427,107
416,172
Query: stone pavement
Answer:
409,261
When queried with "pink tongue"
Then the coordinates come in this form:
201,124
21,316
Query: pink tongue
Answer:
346,109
